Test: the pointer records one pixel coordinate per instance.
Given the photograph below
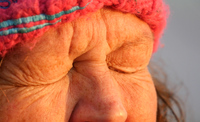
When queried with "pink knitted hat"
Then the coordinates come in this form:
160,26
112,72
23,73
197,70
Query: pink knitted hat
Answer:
23,20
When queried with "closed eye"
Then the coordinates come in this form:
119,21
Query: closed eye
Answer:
123,71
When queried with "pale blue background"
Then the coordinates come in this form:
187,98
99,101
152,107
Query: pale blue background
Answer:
181,54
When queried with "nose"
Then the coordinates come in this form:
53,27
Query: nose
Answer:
100,103
101,112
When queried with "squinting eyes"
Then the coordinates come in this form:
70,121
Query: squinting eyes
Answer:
118,70
123,70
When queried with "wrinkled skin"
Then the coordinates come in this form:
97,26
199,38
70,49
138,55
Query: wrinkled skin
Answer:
93,69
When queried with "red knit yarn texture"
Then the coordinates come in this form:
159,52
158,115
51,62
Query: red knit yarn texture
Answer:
153,12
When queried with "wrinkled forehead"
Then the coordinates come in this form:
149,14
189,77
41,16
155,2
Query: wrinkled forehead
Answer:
106,30
109,27
23,20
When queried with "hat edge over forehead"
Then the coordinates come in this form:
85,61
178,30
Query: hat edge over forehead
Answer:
23,20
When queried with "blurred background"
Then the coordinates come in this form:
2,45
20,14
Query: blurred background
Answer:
181,54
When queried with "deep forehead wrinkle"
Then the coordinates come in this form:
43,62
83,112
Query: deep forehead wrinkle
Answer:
95,29
125,27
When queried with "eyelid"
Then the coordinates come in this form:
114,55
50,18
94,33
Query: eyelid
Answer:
120,70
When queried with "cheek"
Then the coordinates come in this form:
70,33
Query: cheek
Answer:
48,103
139,96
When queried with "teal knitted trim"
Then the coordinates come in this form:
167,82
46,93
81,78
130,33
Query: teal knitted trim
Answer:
25,30
35,18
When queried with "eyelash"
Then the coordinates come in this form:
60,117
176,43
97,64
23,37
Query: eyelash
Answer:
117,70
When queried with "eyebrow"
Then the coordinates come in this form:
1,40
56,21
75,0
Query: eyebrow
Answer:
147,35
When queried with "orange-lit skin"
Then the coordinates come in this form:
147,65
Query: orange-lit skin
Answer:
93,69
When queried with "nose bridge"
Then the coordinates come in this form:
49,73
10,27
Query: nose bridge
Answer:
103,103
105,86
108,104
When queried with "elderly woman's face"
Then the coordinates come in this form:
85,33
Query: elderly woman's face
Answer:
93,69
